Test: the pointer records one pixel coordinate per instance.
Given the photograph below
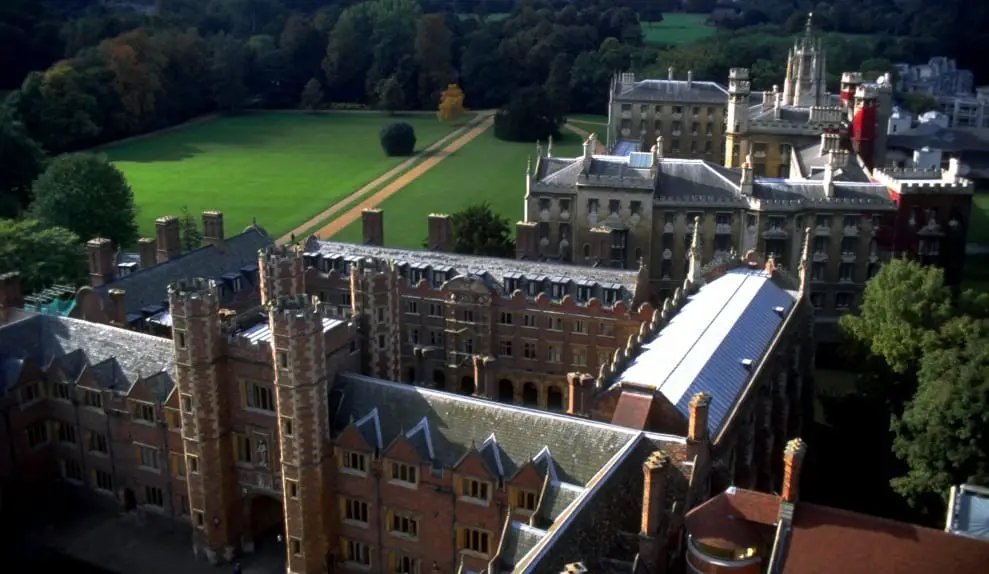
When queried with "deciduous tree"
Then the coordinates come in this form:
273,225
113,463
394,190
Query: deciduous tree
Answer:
528,117
228,70
136,62
433,55
44,255
391,97
478,230
21,161
312,95
190,236
348,56
88,195
451,104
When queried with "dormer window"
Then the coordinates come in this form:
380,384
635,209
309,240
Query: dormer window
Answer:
418,272
534,286
440,275
558,287
125,269
585,290
326,263
512,282
610,295
311,259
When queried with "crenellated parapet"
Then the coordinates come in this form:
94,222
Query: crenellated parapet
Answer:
826,114
192,297
282,271
920,181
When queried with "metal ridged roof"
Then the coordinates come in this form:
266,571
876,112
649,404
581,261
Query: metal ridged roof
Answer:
625,147
970,512
732,319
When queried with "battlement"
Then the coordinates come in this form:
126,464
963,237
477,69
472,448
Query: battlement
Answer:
826,114
739,87
757,204
919,181
299,306
867,92
278,253
854,78
197,288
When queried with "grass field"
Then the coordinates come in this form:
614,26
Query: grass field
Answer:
676,28
486,169
280,167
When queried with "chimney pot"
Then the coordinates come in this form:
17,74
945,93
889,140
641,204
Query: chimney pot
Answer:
373,226
654,493
793,460
440,233
101,261
213,228
167,238
690,78
146,250
118,314
698,408
669,73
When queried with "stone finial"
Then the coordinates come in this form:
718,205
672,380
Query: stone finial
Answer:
549,146
539,148
804,272
528,165
694,269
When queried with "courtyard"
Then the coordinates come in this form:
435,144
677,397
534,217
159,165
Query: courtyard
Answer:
280,168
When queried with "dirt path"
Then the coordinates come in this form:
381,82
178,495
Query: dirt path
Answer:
394,187
584,133
436,148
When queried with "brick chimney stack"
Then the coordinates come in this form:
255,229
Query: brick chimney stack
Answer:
440,233
373,224
168,238
146,247
697,425
10,294
654,493
526,240
117,314
793,461
213,228
101,269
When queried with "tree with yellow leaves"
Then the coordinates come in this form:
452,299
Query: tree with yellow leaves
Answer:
451,103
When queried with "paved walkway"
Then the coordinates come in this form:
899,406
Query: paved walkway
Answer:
394,187
436,149
584,133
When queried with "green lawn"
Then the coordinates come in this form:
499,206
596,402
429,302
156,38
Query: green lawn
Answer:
281,168
485,169
676,28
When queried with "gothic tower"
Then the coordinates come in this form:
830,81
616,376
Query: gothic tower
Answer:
205,399
376,306
301,377
738,116
806,71
282,272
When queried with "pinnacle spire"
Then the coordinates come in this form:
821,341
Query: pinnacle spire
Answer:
694,270
805,262
809,27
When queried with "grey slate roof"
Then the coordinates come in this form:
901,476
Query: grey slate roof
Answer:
789,114
519,539
674,91
679,178
147,287
558,497
118,357
580,448
491,270
944,139
811,159
732,319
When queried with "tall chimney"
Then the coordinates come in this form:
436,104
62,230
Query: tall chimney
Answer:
373,227
698,409
440,233
526,240
654,492
690,78
118,313
669,73
748,178
213,228
101,269
793,460
167,238
146,249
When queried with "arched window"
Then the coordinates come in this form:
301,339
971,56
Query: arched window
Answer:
587,250
506,391
439,378
530,395
467,386
638,254
554,399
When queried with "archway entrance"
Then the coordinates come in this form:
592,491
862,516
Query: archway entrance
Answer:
267,524
554,399
439,379
467,386
506,391
530,395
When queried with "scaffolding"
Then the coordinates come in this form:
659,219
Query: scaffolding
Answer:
57,300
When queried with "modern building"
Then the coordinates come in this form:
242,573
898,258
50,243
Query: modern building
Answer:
688,114
612,211
749,532
281,418
938,77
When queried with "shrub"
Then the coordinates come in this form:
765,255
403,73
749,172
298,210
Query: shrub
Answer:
398,139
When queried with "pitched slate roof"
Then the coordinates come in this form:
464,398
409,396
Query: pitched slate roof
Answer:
935,137
518,540
673,91
579,448
492,270
730,320
812,163
117,357
147,287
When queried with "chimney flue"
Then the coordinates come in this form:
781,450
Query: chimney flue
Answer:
690,78
698,409
213,228
669,73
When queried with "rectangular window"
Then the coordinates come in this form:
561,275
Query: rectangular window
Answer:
381,341
842,301
435,310
506,318
607,330
103,480
258,396
354,461
37,435
71,469
193,461
579,327
296,546
93,399
355,552
242,448
97,443
580,356
469,346
177,463
414,336
553,354
436,338
529,320
66,433
468,315
354,510
525,500
381,314
404,473
61,391
476,489
473,540
144,412
604,357
187,403
846,272
412,307
180,339
529,350
174,419
147,457
402,564
506,348
292,488
287,426
555,324
403,524
154,496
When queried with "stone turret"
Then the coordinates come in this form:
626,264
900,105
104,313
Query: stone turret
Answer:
282,271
